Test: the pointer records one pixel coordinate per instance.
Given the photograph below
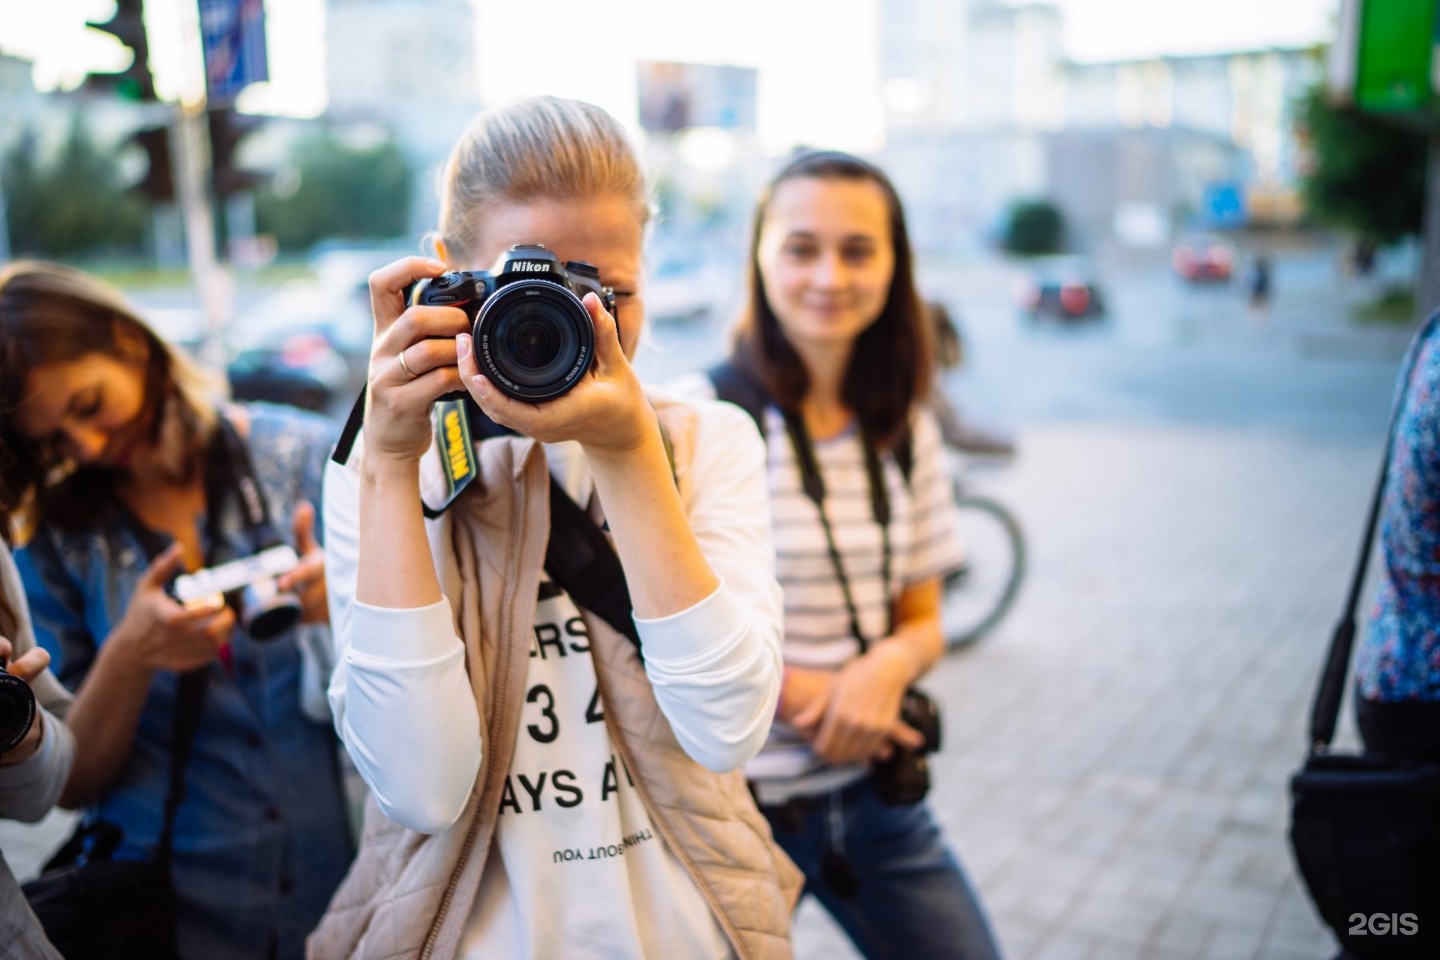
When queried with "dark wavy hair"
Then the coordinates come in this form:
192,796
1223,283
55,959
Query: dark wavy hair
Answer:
50,314
890,366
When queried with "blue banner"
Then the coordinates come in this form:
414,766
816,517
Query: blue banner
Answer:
233,32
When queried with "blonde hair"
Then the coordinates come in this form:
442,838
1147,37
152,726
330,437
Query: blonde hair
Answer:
539,147
50,314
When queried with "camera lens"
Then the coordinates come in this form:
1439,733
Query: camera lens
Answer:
17,710
266,612
534,339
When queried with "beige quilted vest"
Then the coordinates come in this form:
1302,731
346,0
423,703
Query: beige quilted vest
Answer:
408,894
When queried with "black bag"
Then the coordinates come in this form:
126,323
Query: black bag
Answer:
96,908
101,909
1365,830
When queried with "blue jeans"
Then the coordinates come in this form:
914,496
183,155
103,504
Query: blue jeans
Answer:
912,899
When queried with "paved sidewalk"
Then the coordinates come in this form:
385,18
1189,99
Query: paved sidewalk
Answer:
1115,772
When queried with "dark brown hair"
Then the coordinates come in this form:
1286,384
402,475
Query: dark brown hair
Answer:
55,314
890,366
8,620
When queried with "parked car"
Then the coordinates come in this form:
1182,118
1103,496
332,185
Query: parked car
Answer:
1062,288
1203,260
302,369
308,343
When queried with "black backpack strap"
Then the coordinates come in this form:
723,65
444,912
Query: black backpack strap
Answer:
734,385
582,561
1326,707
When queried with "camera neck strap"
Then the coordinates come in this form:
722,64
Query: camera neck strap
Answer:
458,424
813,484
230,473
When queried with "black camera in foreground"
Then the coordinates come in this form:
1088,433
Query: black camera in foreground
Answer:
17,709
905,777
533,337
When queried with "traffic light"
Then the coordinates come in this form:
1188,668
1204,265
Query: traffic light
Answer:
128,26
158,184
227,129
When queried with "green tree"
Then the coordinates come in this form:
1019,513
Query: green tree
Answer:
1034,227
72,204
1368,175
342,191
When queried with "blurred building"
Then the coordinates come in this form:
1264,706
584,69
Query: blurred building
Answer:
409,65
983,108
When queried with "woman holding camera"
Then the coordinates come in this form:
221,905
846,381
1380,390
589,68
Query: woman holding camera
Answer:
33,771
833,359
124,473
544,788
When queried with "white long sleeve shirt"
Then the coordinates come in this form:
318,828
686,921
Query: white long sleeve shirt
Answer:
575,864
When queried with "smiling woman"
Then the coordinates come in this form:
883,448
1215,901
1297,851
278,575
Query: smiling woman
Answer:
124,471
102,370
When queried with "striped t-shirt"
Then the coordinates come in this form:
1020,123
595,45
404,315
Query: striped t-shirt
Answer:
923,544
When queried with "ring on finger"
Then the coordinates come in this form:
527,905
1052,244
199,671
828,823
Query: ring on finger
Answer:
405,366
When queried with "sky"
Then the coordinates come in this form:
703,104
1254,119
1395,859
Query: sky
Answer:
808,46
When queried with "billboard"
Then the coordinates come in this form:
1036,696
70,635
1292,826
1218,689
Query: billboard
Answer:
676,96
233,34
1384,57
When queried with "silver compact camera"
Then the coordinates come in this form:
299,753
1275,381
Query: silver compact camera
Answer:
248,585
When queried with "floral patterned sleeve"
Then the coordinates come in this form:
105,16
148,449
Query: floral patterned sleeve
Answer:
1400,656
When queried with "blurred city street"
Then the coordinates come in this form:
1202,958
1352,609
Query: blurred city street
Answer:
1183,247
1191,480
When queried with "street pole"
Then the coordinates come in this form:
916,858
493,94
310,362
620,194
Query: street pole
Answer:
4,228
190,158
1430,252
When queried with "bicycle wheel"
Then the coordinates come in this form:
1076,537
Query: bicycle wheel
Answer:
980,594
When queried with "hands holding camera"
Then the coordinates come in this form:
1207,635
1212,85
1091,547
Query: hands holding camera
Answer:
852,715
158,633
422,353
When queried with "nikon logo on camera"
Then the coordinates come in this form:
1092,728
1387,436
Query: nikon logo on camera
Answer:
529,266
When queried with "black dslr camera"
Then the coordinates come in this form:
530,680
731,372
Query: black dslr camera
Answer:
905,777
533,338
17,709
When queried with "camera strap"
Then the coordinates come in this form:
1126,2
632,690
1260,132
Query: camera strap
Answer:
813,485
230,472
457,425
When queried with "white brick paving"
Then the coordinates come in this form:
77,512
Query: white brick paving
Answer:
1118,753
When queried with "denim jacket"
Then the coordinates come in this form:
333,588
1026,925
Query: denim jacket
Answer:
261,837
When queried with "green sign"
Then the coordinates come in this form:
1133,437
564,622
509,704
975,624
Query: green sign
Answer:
1395,49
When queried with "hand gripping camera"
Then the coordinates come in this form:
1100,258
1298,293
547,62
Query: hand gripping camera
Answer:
533,337
17,709
248,584
905,777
